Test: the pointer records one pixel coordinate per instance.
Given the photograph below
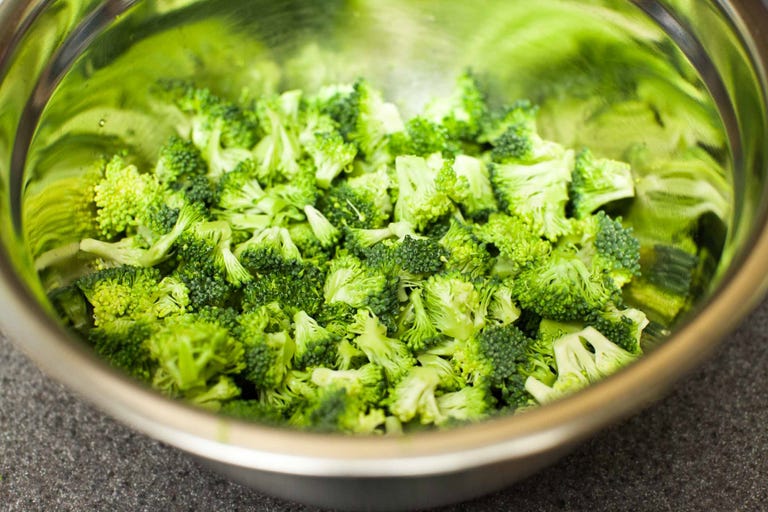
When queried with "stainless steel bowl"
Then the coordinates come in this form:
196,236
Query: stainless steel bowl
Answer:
67,69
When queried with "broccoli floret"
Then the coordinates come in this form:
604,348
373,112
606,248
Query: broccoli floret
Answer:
251,410
516,240
331,156
418,255
454,305
278,152
496,356
130,250
240,190
221,130
562,287
209,244
190,353
336,409
477,199
123,292
315,345
207,286
122,196
624,327
466,252
468,404
425,187
463,112
354,283
268,345
123,344
359,202
389,353
415,395
297,286
582,273
537,192
303,236
421,333
367,382
375,121
597,182
270,248
617,249
179,162
221,390
502,307
422,137
578,366
325,232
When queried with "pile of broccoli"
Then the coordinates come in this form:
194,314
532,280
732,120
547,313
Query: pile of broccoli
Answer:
319,261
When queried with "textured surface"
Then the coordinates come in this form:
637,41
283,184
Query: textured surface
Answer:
705,447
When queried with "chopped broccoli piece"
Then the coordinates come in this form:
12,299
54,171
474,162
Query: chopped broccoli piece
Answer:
578,366
454,305
389,353
597,182
536,191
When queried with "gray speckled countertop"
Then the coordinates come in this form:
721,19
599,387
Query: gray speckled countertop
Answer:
704,447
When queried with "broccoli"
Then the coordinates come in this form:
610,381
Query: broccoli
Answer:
360,201
298,286
315,345
425,187
469,404
597,182
325,232
454,305
122,196
352,282
477,199
130,250
374,121
331,155
222,131
466,252
179,162
582,273
269,248
267,343
516,240
496,357
123,292
463,112
389,353
415,395
538,192
278,152
421,333
311,260
578,366
337,409
123,344
422,137
210,242
189,353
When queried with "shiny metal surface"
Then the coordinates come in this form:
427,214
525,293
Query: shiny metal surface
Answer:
408,48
